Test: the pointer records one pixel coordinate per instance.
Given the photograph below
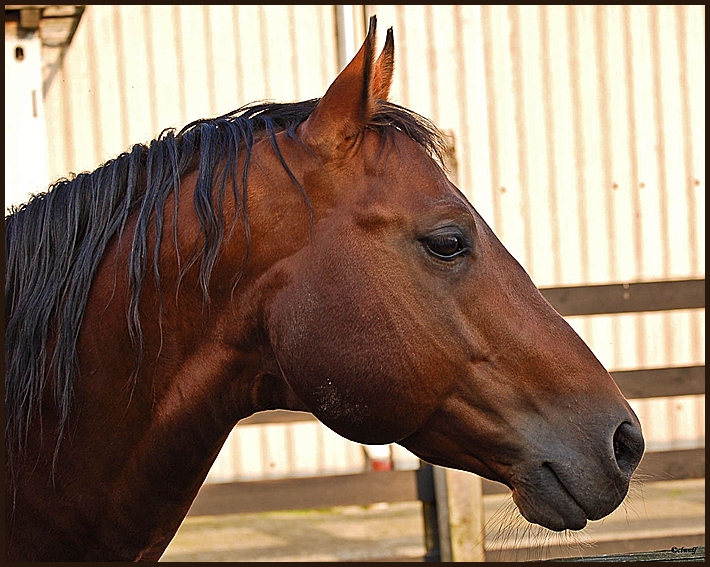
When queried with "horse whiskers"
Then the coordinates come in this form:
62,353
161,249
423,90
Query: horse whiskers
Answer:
636,493
500,526
514,536
511,533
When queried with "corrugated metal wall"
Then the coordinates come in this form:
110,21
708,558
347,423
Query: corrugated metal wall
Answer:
580,130
132,71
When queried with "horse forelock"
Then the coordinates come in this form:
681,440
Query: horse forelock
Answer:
55,242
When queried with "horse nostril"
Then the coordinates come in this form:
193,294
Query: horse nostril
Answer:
628,447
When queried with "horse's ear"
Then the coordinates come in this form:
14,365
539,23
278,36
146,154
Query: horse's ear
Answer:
349,102
384,69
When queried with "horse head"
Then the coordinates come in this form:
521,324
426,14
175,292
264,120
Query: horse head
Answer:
404,319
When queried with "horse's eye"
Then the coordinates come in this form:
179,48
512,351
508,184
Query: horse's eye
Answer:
445,246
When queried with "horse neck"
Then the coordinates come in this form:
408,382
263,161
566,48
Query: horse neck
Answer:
205,362
204,366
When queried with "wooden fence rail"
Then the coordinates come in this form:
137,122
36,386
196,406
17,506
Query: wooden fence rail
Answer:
627,297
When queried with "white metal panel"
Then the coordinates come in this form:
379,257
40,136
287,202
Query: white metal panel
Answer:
132,71
580,129
591,120
26,168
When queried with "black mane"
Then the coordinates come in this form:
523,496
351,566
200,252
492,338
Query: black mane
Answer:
55,242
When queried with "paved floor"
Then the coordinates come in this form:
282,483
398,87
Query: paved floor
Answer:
666,514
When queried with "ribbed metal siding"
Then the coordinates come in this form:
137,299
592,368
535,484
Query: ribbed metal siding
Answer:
132,71
580,129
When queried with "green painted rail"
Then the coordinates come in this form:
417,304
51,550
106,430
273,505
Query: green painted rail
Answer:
671,555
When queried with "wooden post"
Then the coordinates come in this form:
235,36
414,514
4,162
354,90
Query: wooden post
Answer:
452,504
442,514
427,495
466,516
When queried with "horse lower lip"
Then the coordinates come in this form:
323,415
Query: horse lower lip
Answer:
567,492
551,504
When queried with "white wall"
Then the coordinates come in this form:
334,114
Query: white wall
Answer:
26,168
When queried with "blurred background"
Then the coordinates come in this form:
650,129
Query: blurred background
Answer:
579,135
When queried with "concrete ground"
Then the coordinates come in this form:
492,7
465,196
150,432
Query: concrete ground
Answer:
655,516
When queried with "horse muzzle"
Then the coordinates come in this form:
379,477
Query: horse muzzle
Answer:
569,487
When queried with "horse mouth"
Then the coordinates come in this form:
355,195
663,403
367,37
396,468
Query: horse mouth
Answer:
554,506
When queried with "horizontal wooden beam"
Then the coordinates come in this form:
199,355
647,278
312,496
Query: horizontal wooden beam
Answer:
277,416
677,464
360,489
661,382
627,297
363,489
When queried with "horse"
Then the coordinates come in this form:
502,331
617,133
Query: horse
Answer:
309,256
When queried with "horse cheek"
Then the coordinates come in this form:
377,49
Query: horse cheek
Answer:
336,365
